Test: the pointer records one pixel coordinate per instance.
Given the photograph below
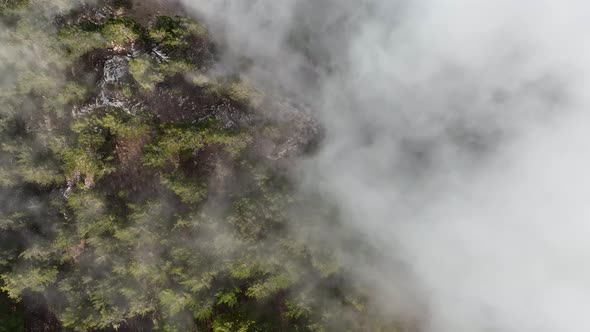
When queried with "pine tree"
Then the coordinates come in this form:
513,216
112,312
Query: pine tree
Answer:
131,220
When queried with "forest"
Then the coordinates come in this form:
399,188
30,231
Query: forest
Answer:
143,189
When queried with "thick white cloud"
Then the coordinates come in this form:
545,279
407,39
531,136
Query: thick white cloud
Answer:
457,139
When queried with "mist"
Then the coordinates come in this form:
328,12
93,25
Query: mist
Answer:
455,143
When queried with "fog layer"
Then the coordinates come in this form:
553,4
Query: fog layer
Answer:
456,141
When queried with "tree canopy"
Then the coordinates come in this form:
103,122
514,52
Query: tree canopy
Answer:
137,191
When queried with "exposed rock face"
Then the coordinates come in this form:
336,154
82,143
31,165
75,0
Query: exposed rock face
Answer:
176,99
88,13
304,130
113,72
296,133
115,69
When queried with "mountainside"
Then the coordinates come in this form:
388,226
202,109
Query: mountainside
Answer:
144,188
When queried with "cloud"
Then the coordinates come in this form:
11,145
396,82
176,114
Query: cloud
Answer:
456,141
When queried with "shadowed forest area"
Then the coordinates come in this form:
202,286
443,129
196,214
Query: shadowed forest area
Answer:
141,190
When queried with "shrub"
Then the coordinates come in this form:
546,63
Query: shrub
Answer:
120,33
77,42
144,73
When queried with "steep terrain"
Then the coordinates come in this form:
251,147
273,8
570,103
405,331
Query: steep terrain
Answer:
141,190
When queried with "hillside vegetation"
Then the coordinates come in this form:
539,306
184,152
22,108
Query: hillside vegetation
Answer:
141,192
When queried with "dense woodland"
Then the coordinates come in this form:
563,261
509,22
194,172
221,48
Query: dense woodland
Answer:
142,190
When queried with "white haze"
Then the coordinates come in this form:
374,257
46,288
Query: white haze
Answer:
457,141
